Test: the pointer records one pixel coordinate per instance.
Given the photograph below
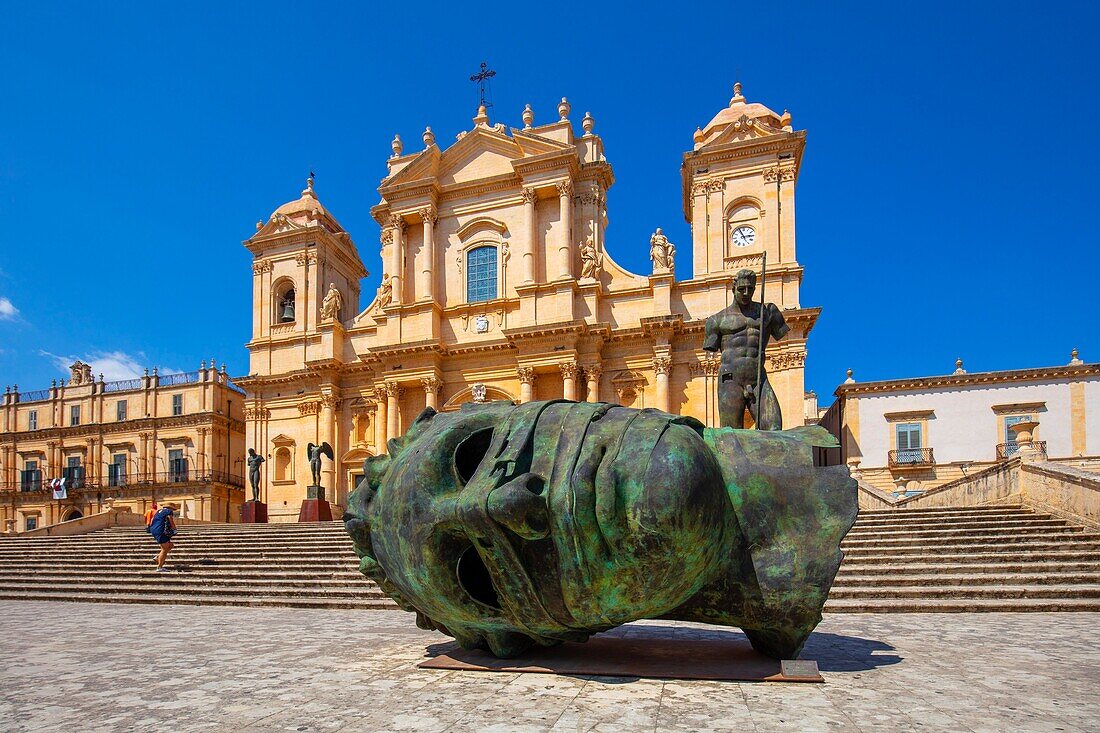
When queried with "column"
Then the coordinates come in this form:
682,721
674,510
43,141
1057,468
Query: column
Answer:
202,451
328,469
393,426
569,380
526,383
431,386
565,241
427,274
592,375
530,218
397,258
662,365
381,424
143,453
91,467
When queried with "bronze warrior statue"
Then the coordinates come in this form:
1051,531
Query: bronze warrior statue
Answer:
506,526
314,453
254,460
742,336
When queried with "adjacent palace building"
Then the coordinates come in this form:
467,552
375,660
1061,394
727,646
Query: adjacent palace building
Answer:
172,437
498,283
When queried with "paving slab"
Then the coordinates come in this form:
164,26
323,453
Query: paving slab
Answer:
108,667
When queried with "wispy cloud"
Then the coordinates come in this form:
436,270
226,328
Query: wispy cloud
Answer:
8,312
112,365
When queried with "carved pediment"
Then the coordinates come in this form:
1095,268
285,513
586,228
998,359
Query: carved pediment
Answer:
281,440
743,128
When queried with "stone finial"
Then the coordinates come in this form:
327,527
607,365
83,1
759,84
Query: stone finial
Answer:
154,371
959,367
737,96
588,123
259,225
101,377
53,382
396,146
1073,358
697,138
563,109
428,137
223,368
147,371
528,117
308,191
482,117
849,380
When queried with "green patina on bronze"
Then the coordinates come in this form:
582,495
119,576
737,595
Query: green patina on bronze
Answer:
506,526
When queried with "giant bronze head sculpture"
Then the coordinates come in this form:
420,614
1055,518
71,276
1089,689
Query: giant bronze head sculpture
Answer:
506,526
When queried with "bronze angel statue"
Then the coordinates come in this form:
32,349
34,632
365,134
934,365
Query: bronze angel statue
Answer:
314,452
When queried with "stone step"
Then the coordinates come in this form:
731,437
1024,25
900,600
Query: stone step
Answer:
172,583
958,605
273,574
942,577
150,576
189,599
963,564
330,564
946,511
1003,591
987,531
983,524
6,554
1006,544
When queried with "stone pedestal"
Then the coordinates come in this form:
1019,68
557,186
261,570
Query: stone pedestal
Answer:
315,508
254,512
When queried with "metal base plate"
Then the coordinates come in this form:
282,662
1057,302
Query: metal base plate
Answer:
671,656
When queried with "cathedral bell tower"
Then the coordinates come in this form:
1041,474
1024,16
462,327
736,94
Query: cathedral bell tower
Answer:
738,195
299,254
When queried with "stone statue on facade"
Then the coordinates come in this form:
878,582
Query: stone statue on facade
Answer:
510,526
314,453
254,460
591,259
741,333
385,292
330,306
662,252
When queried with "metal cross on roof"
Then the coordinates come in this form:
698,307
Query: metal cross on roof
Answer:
481,78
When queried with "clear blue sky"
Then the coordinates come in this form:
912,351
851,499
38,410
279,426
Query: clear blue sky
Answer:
945,208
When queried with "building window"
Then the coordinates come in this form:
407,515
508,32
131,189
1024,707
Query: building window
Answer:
177,466
116,472
481,274
73,473
177,404
31,523
74,415
1011,446
909,442
30,479
120,410
32,420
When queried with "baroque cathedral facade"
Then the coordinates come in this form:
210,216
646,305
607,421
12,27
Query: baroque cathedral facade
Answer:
498,283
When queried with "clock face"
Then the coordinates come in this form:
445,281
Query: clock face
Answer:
743,236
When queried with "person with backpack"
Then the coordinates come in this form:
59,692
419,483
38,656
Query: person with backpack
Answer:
163,528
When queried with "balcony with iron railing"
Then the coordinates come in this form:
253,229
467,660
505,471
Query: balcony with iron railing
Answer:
1007,450
32,481
12,395
911,458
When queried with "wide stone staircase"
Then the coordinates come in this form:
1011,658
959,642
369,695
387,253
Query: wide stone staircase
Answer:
990,558
1004,558
308,565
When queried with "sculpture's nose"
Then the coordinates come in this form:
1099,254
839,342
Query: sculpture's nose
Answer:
520,506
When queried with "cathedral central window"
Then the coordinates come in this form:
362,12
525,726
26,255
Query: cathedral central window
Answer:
481,274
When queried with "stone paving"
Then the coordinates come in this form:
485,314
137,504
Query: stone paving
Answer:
78,667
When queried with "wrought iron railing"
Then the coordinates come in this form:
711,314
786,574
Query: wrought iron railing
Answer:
239,390
34,396
135,480
1007,450
171,380
122,385
911,457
